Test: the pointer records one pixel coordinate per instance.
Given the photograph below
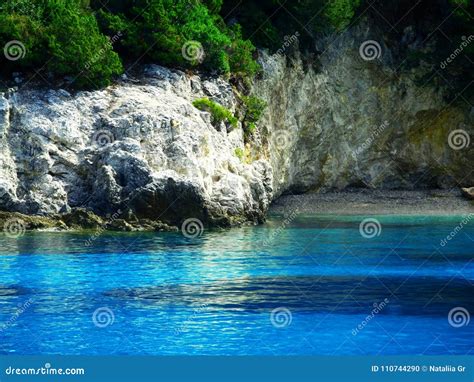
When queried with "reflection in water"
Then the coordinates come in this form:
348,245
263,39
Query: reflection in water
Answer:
345,295
215,294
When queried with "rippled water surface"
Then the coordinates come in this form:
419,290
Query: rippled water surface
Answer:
161,293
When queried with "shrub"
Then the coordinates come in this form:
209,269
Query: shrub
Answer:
254,108
239,153
179,32
340,12
219,113
88,55
61,36
65,37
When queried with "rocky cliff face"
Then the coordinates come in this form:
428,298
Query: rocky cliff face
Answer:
139,148
357,121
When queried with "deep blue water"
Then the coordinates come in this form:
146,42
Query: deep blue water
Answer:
215,294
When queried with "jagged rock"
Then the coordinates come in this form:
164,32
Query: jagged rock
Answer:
82,218
351,122
120,225
468,192
15,224
142,148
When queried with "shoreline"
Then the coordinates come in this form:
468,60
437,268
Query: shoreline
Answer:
375,202
353,202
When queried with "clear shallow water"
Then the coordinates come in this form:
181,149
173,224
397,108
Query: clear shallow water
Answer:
215,294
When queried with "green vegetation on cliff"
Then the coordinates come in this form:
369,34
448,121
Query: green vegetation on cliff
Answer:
92,41
218,112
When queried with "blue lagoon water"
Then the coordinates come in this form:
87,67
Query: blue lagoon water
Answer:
305,286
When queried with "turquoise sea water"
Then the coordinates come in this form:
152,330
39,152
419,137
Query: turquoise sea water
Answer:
310,285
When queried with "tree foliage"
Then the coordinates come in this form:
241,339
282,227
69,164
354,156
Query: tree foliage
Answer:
91,40
61,36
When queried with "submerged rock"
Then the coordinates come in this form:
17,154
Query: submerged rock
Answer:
15,224
82,218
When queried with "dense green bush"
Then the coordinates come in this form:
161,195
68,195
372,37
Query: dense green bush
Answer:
59,36
179,32
90,39
267,22
218,112
253,110
69,37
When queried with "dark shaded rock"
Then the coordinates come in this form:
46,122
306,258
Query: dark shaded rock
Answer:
15,222
120,225
65,209
170,201
468,192
82,218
